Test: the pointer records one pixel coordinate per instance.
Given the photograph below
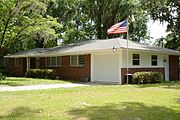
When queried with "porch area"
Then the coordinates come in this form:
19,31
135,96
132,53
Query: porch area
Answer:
19,66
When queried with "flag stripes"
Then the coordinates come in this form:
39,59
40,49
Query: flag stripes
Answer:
121,27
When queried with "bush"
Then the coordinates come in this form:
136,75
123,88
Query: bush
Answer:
3,70
2,77
41,73
147,77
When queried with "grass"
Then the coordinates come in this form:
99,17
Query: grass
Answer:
20,81
98,102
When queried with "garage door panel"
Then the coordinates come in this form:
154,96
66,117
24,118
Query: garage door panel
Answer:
106,68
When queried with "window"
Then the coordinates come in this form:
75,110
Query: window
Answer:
53,61
81,60
135,59
74,60
48,61
16,62
77,60
154,60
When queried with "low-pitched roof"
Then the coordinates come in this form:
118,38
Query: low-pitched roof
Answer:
94,46
29,53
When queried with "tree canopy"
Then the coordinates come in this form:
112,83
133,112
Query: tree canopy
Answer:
87,19
26,24
166,11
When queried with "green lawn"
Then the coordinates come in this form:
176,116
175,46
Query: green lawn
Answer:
20,81
99,102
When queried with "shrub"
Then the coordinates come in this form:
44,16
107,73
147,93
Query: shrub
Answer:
147,77
3,70
41,73
2,77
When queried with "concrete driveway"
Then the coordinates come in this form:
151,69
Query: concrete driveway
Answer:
40,87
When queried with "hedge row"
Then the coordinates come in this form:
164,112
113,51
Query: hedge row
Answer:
147,77
41,73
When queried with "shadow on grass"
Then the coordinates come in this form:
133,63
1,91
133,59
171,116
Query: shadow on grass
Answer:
167,85
20,113
124,111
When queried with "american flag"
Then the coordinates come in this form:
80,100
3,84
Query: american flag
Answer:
121,27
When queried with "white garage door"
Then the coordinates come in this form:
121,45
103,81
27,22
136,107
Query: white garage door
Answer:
105,68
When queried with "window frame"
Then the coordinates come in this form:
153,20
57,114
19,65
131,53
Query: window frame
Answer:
154,60
77,61
16,62
51,63
135,60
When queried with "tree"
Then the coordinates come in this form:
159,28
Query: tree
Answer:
77,26
172,42
166,11
87,19
105,13
25,24
160,42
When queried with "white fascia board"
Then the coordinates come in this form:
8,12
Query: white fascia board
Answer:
161,52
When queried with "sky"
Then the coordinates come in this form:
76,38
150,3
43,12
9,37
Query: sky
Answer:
157,29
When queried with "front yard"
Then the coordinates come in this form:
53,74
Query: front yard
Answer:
97,102
20,81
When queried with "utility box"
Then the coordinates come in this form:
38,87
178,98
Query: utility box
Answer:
129,79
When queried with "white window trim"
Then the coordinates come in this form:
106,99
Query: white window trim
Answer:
135,59
51,62
77,62
154,60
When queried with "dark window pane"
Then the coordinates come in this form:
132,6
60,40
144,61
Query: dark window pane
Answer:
135,62
154,57
154,60
135,56
154,63
135,59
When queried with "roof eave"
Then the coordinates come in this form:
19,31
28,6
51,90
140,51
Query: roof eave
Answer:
177,53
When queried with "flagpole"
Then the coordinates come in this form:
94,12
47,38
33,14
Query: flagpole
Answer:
121,27
127,52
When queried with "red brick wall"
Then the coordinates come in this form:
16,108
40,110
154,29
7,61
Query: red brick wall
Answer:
71,73
133,70
173,67
19,70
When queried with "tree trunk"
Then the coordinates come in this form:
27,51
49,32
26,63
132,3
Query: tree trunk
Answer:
4,33
99,21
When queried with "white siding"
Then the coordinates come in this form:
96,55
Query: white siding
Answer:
145,61
105,67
